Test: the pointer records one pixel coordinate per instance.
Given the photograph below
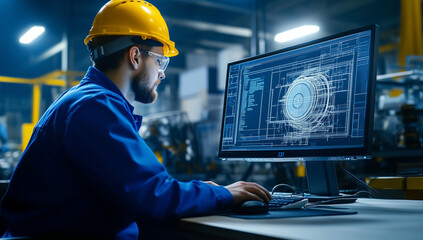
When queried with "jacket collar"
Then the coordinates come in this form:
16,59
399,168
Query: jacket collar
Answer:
96,76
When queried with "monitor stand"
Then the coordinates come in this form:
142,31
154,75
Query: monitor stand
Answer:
322,180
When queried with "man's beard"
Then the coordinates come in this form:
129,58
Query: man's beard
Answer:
142,91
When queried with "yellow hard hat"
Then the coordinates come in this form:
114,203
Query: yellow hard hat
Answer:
132,18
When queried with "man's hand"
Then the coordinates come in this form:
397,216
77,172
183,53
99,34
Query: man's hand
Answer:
244,191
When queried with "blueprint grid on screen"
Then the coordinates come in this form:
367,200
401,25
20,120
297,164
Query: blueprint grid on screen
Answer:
306,98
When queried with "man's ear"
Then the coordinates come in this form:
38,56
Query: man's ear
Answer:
135,57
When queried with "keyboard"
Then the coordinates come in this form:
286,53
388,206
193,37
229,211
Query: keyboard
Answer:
284,203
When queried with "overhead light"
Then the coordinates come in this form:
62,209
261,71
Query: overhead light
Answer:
296,33
31,34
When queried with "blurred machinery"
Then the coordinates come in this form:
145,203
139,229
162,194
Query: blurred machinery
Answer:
9,155
175,142
399,110
8,161
398,126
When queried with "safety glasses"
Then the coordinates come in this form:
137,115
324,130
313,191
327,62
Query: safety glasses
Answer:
162,61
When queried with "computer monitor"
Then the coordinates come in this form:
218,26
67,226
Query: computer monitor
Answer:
313,102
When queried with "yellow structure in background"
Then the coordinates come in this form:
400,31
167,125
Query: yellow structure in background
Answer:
411,30
398,187
27,129
301,170
56,78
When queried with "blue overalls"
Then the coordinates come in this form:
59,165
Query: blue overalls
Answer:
87,172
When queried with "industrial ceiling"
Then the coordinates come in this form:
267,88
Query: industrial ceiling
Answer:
196,26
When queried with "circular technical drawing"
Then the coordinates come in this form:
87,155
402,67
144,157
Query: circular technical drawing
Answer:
299,100
306,102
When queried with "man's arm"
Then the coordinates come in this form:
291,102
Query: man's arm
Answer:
105,147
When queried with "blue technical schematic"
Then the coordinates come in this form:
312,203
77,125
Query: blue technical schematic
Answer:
300,99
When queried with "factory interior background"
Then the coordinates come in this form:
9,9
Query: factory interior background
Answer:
183,126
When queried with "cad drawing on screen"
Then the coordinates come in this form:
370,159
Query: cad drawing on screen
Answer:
311,102
303,98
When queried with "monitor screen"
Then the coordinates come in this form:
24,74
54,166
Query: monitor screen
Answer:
313,101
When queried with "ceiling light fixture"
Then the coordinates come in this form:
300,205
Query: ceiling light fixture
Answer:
296,33
31,34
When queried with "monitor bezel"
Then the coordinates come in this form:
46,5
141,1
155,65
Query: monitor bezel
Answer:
313,154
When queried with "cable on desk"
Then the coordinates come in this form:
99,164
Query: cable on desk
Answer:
371,191
294,191
357,194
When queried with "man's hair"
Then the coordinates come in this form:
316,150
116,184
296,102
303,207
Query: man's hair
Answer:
113,60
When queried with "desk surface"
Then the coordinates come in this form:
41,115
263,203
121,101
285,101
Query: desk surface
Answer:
376,219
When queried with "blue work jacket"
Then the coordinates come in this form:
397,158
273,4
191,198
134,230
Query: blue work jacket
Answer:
87,172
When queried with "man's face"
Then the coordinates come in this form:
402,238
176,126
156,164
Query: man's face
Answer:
145,82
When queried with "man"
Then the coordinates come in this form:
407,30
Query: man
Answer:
86,171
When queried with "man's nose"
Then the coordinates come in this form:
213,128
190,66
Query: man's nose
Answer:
162,76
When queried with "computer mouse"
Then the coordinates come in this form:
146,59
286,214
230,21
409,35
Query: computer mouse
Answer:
252,207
